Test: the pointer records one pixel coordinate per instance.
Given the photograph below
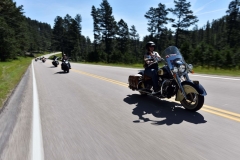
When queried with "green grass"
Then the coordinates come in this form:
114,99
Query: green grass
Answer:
10,75
221,72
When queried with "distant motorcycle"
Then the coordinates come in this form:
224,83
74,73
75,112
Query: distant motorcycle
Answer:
65,66
173,81
36,59
55,62
43,60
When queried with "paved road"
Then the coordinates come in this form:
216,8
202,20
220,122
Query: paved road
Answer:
90,113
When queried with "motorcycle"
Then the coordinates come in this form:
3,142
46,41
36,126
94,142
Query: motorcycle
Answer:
43,60
65,66
55,62
173,81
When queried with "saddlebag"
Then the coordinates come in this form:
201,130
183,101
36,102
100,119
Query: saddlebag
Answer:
133,81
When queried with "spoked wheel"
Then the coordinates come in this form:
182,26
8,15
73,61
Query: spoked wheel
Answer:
194,102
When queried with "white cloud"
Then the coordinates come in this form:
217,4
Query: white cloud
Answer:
202,7
212,11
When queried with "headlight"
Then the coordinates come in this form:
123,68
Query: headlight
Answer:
190,66
182,68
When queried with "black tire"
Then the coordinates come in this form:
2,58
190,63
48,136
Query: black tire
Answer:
55,65
194,103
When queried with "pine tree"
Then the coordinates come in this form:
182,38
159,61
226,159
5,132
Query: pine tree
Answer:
233,22
157,18
74,40
134,38
11,27
207,33
58,34
108,26
194,36
96,27
185,17
151,21
123,36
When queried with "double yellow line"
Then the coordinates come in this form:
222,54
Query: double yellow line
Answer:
102,78
222,113
213,110
217,111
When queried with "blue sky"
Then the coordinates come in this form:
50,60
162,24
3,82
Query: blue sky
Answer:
131,11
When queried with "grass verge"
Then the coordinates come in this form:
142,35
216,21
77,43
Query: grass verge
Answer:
221,72
10,75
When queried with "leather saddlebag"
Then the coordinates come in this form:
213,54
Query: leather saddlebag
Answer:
133,81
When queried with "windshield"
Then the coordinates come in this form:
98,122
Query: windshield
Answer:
173,57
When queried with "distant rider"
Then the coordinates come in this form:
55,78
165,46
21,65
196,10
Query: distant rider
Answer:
55,58
66,58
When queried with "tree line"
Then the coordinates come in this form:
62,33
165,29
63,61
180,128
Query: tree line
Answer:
216,44
19,34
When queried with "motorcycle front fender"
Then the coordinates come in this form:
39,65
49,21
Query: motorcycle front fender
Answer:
190,87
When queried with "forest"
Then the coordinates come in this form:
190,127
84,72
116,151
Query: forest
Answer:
215,45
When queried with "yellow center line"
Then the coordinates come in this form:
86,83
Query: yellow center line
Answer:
217,111
222,114
103,78
221,110
206,108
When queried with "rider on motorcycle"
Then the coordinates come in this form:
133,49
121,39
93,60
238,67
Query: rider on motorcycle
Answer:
151,66
55,58
43,59
66,58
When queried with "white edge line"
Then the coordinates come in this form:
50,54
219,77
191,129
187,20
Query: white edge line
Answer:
37,143
234,79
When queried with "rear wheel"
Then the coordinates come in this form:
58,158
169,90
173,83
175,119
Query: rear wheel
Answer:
194,102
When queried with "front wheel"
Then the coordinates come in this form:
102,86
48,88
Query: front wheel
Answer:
194,102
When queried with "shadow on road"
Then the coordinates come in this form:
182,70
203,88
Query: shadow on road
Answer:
171,112
61,72
52,67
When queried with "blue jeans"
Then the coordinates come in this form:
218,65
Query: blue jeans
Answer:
153,73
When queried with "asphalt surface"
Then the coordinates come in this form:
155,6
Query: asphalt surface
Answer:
91,114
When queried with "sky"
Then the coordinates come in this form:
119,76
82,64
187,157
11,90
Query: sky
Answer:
131,11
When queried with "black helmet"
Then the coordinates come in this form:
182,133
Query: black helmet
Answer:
150,43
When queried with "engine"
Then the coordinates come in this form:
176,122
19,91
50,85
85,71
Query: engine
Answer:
168,88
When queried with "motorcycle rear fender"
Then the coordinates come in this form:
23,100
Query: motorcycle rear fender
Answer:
190,87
